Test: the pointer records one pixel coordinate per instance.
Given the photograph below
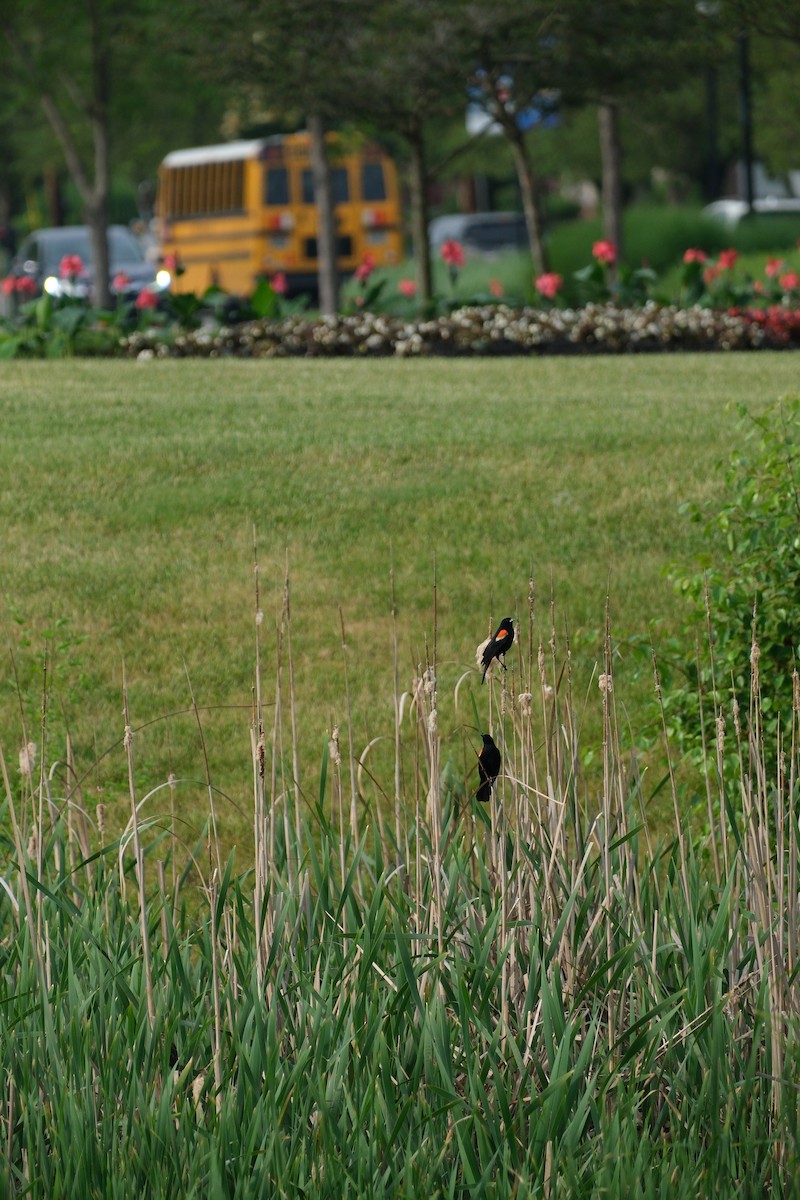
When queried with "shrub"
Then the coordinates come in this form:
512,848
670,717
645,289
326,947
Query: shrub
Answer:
749,579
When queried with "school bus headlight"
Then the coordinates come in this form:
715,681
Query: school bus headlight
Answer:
163,279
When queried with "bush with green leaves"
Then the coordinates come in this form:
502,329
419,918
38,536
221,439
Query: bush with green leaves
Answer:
743,591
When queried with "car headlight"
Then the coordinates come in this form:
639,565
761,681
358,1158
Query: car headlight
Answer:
163,279
52,286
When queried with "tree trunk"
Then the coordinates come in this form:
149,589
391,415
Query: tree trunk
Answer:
529,190
97,220
94,186
611,160
418,181
97,199
326,219
52,195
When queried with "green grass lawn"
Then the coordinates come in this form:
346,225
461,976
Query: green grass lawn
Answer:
129,494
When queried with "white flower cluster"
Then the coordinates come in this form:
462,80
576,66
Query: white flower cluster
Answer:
480,330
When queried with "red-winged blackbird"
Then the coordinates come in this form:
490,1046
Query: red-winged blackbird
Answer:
489,762
498,645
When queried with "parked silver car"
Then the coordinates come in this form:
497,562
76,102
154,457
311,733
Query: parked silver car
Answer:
42,256
483,235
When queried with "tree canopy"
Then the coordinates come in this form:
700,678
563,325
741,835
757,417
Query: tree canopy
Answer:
96,91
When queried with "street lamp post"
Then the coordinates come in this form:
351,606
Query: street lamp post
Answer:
711,9
746,117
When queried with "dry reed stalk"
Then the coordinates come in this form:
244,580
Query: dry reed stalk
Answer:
428,716
40,814
215,860
162,891
10,1118
607,691
354,827
793,932
293,715
213,892
719,741
673,786
139,853
258,754
173,840
81,826
337,797
418,892
31,912
214,864
276,723
259,848
401,851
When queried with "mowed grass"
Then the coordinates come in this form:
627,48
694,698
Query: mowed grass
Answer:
129,493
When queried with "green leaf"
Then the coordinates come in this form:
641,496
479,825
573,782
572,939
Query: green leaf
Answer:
265,302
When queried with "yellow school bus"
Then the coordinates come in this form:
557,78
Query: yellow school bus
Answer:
234,213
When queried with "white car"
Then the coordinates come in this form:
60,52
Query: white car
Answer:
731,211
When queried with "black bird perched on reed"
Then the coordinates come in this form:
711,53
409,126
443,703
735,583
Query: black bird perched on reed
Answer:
489,762
498,645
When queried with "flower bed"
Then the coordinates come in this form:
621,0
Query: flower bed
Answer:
616,313
483,330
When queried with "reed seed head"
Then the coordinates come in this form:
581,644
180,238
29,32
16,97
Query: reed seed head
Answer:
720,733
27,759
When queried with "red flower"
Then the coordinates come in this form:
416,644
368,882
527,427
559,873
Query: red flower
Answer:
605,252
789,281
549,284
407,287
120,281
278,283
146,298
26,286
712,272
71,266
8,285
365,268
452,253
694,255
774,265
495,287
728,259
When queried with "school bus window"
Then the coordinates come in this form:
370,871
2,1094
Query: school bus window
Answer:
276,189
373,185
339,186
